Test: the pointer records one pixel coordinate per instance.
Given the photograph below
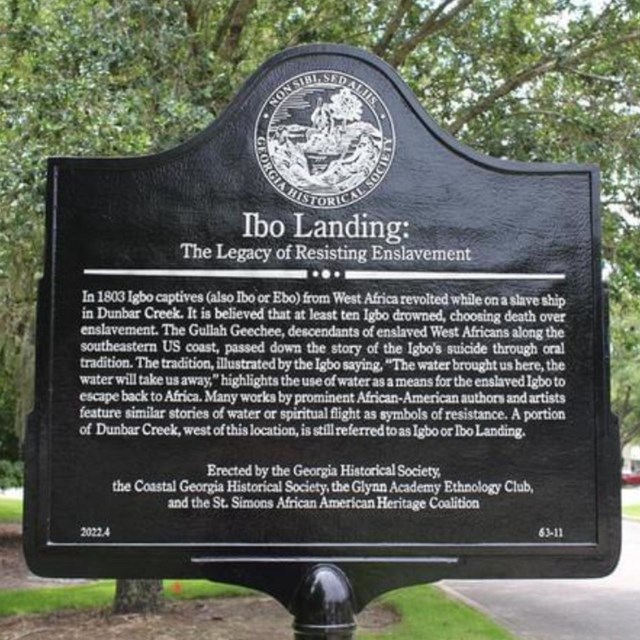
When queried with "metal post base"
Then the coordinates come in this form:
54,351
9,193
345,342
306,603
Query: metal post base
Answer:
323,606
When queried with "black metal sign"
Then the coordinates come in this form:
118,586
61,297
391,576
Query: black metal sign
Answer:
322,331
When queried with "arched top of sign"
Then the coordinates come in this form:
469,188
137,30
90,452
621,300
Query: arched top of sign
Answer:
341,129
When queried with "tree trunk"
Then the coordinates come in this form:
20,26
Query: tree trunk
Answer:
138,596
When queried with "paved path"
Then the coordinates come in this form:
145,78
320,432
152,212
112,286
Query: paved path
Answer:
604,609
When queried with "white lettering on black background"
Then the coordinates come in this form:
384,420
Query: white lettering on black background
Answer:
322,364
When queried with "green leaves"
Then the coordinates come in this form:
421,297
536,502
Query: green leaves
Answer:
532,80
625,366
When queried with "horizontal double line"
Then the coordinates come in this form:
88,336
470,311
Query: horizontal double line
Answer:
303,274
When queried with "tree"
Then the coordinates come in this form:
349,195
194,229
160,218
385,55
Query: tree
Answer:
552,80
138,596
346,106
625,379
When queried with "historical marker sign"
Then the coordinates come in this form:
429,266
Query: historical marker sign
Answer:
322,329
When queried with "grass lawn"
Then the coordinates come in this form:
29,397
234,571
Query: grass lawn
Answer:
10,510
632,511
100,594
425,611
428,614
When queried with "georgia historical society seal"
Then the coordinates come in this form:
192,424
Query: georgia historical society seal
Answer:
324,139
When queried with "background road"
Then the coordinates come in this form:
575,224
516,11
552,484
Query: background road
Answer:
602,609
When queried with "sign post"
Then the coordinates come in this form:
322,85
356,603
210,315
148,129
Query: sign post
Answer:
322,344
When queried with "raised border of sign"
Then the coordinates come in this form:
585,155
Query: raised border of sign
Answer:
278,569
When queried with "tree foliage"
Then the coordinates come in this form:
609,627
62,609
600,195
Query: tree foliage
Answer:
625,381
552,80
532,80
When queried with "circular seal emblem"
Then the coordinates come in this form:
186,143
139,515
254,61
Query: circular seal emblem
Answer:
324,139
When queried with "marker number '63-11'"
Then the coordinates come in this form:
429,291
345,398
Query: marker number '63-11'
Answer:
551,533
